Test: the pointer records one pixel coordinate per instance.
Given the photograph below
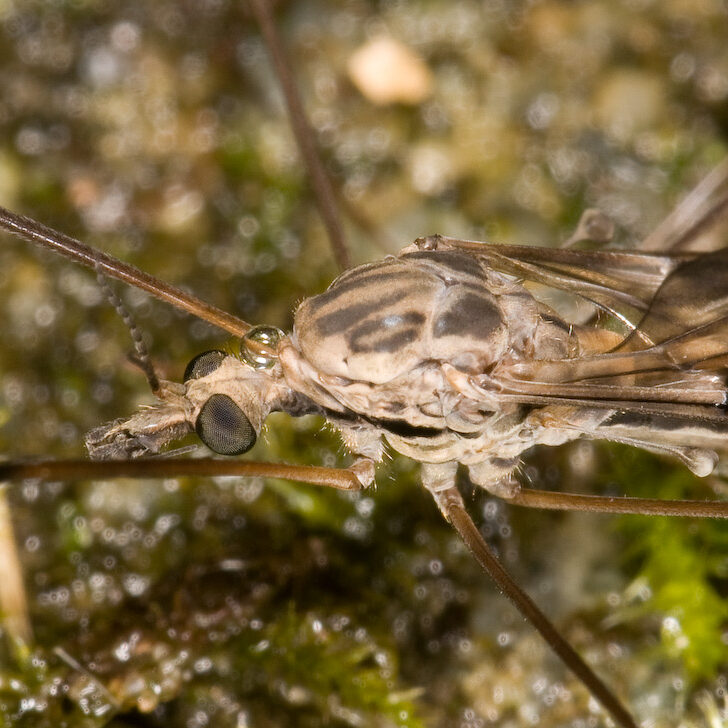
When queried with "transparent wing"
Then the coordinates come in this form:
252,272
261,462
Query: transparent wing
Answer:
621,282
676,357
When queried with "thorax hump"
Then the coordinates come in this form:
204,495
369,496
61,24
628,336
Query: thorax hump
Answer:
382,320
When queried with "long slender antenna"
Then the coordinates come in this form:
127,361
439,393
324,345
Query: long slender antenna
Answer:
34,232
451,504
141,353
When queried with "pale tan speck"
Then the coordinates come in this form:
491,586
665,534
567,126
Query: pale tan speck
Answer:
386,72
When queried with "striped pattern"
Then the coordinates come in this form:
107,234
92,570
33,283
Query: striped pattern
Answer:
379,321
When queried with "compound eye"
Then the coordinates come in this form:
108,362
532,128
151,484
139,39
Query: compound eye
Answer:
204,364
223,426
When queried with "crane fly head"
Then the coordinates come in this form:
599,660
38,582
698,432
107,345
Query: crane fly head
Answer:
224,397
228,400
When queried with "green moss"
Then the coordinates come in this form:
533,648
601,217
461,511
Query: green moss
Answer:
681,562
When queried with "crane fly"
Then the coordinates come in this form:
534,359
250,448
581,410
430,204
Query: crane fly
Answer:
443,353
447,353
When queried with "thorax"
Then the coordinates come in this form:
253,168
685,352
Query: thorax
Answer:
374,344
380,332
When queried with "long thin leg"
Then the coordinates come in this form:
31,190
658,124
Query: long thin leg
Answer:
324,192
451,504
35,232
545,499
13,601
693,214
338,478
341,479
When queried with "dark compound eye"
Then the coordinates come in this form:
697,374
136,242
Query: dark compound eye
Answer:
223,426
204,364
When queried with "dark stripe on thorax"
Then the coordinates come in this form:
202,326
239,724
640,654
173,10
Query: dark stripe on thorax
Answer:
337,322
374,335
359,280
461,263
469,315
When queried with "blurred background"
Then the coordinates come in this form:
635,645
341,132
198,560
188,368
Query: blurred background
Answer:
157,132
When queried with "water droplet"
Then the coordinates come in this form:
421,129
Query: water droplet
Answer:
261,336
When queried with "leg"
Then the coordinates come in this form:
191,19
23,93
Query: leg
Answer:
531,498
365,443
496,476
693,215
13,601
342,479
322,187
451,505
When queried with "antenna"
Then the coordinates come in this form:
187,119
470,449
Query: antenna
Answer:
35,232
141,353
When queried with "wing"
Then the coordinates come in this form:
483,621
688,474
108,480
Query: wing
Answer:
681,343
671,369
621,282
663,388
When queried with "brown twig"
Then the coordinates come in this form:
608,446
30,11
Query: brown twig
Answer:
13,600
